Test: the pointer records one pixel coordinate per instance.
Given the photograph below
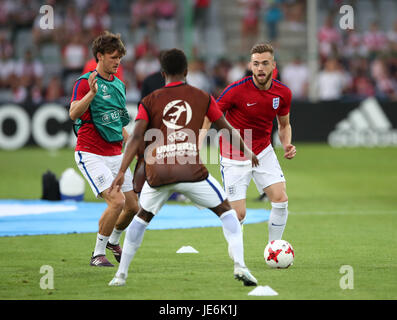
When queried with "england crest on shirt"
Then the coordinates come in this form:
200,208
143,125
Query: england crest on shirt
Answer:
276,102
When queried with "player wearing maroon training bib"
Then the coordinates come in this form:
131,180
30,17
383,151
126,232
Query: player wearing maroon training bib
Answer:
250,105
175,114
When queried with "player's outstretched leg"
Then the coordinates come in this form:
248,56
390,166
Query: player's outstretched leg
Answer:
232,232
115,201
132,242
130,209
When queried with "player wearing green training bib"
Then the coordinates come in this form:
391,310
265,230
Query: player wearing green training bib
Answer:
100,115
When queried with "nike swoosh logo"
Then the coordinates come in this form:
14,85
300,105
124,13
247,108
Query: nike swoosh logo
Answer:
277,225
251,104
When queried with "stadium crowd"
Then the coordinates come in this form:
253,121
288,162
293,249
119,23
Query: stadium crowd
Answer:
40,65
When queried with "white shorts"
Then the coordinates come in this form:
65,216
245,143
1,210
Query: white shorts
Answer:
207,193
100,171
237,175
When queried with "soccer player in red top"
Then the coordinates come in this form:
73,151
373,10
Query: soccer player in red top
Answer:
250,105
97,158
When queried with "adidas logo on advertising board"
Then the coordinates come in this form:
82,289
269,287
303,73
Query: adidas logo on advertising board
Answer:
365,126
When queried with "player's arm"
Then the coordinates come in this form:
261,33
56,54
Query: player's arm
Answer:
203,131
235,139
78,107
131,150
285,135
125,136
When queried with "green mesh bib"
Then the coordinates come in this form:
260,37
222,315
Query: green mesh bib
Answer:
108,111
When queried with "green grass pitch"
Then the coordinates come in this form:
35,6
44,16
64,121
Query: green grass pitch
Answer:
343,211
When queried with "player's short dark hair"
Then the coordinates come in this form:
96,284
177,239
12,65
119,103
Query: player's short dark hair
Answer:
262,47
108,42
173,62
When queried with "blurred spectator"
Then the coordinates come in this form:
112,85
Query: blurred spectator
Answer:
392,37
329,39
29,70
72,22
272,17
74,55
6,47
82,5
132,92
385,85
97,19
142,17
249,23
7,70
146,65
144,47
238,70
152,82
353,45
332,82
201,20
295,14
7,11
166,23
362,86
6,64
358,65
219,76
126,73
165,13
201,14
375,40
393,66
19,92
197,76
25,13
54,90
296,76
36,94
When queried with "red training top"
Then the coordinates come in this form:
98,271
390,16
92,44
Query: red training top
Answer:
248,107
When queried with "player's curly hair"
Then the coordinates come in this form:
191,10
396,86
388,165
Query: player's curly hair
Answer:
173,62
108,42
262,47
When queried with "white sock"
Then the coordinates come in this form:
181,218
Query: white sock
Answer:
234,237
277,220
115,236
100,246
132,242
